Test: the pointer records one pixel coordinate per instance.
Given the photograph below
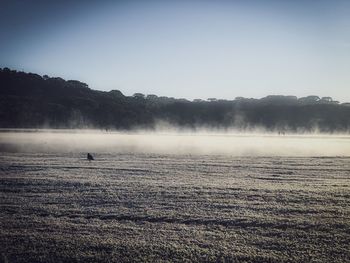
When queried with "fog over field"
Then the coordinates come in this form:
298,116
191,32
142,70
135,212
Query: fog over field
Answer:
173,197
174,131
176,142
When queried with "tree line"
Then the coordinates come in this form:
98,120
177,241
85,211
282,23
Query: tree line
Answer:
29,100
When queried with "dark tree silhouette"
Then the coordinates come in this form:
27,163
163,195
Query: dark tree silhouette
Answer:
28,100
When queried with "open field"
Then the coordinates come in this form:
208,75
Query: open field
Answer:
136,207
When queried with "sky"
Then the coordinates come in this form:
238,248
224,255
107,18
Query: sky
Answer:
184,49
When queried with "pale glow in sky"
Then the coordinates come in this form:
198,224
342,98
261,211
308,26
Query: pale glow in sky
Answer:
190,49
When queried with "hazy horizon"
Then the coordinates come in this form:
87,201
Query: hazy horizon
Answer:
175,142
184,49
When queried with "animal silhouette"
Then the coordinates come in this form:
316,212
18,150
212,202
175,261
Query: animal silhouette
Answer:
90,157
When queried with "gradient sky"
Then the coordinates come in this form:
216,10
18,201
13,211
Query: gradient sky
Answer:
184,49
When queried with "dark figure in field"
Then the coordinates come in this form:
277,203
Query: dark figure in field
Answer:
90,157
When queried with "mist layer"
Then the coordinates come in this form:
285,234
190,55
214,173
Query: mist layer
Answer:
175,143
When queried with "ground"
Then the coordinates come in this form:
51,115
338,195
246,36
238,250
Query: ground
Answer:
127,207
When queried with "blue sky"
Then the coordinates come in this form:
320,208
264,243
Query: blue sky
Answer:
184,49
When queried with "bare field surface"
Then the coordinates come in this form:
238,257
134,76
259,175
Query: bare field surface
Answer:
142,207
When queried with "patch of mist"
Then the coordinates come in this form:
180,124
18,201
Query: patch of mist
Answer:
170,140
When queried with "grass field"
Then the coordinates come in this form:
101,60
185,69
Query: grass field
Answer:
143,207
